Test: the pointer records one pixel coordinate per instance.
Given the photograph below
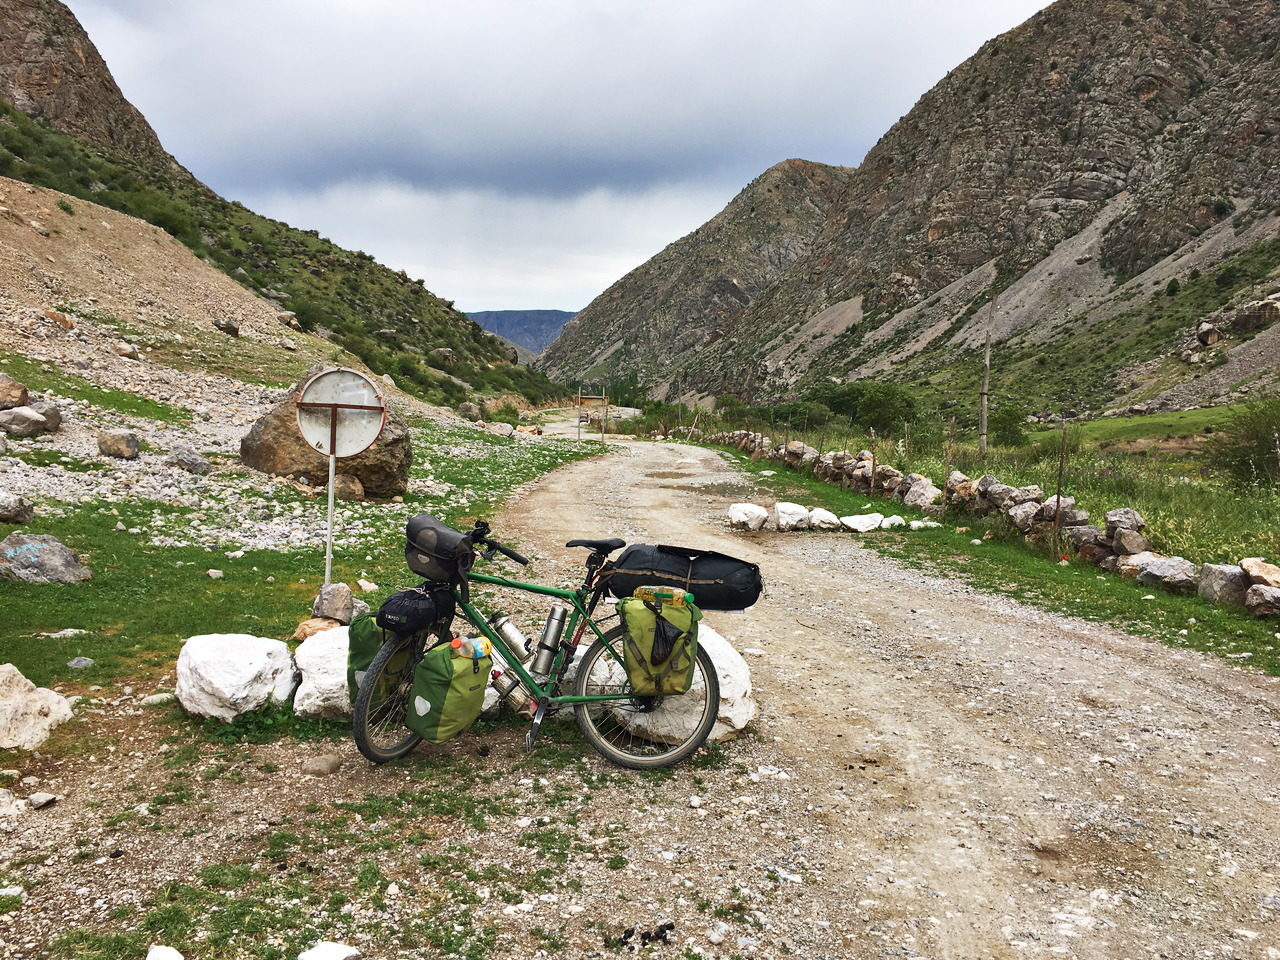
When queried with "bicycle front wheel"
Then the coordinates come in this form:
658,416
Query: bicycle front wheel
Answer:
642,732
382,703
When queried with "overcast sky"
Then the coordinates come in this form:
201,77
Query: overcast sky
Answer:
521,154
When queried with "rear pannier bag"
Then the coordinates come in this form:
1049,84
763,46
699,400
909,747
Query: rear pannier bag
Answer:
364,638
659,646
436,551
716,580
447,694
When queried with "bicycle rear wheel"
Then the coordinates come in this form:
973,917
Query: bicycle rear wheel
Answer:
382,703
643,732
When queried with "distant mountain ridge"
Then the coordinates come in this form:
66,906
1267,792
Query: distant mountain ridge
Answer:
531,329
1069,170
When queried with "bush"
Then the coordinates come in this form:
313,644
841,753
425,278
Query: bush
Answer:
885,407
1005,425
801,415
1248,445
507,413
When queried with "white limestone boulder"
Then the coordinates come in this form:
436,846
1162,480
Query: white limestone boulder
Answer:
322,662
737,702
747,516
889,523
921,494
790,516
862,522
820,519
225,675
28,713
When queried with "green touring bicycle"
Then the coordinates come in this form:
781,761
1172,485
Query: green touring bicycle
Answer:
553,673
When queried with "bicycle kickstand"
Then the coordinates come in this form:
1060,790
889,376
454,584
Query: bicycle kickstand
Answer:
532,734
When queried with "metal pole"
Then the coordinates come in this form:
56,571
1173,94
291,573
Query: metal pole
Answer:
328,543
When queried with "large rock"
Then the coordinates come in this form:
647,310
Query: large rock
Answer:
348,487
1055,503
121,444
51,412
1259,571
1127,540
1124,518
797,453
27,713
23,422
1263,601
311,626
1027,494
225,675
790,516
1128,567
334,602
12,393
1175,574
39,558
747,516
1223,583
470,411
820,519
322,661
1001,495
921,494
274,446
15,509
862,522
737,704
1024,515
188,458
1081,535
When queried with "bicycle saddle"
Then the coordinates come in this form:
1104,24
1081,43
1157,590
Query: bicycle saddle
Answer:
599,546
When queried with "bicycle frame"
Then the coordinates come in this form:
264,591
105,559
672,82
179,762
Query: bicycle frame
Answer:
579,620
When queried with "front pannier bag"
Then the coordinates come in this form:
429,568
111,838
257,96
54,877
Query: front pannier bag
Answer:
447,694
436,551
716,580
659,647
364,638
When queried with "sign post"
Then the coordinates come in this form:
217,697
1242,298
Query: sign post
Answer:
340,413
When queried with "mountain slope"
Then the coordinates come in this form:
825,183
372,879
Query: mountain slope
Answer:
699,286
70,129
1071,165
530,329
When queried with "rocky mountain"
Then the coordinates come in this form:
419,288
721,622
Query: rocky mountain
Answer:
65,125
530,329
1069,170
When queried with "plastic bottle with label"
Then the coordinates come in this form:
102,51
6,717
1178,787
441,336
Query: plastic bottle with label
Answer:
672,596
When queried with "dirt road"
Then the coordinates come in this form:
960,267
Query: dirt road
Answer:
970,778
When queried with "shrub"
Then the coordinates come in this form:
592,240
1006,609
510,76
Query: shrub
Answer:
507,413
802,414
1005,425
1248,445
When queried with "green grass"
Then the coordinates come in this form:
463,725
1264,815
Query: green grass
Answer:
1005,564
31,373
1155,426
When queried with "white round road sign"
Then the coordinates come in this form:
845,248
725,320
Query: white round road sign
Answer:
340,412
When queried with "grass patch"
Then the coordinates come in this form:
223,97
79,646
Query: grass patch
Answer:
31,373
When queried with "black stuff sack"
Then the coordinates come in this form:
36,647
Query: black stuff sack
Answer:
436,551
716,580
408,611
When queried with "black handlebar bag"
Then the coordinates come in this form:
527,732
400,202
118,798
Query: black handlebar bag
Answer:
716,580
436,551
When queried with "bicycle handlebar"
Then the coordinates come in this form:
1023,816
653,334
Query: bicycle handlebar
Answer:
481,535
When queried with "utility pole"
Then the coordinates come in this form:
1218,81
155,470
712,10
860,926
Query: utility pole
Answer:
984,398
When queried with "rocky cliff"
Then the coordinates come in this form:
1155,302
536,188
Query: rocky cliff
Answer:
1073,167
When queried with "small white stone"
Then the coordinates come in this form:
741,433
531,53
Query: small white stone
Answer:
975,543
367,586
695,801
158,952
214,574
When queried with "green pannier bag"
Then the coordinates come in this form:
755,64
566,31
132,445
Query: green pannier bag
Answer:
364,640
660,645
447,694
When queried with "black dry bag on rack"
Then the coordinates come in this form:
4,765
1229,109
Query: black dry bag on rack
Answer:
716,580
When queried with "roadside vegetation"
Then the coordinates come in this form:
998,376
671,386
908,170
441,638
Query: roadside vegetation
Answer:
1204,480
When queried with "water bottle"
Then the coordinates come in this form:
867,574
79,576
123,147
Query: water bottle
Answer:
512,693
472,648
549,643
516,641
671,596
